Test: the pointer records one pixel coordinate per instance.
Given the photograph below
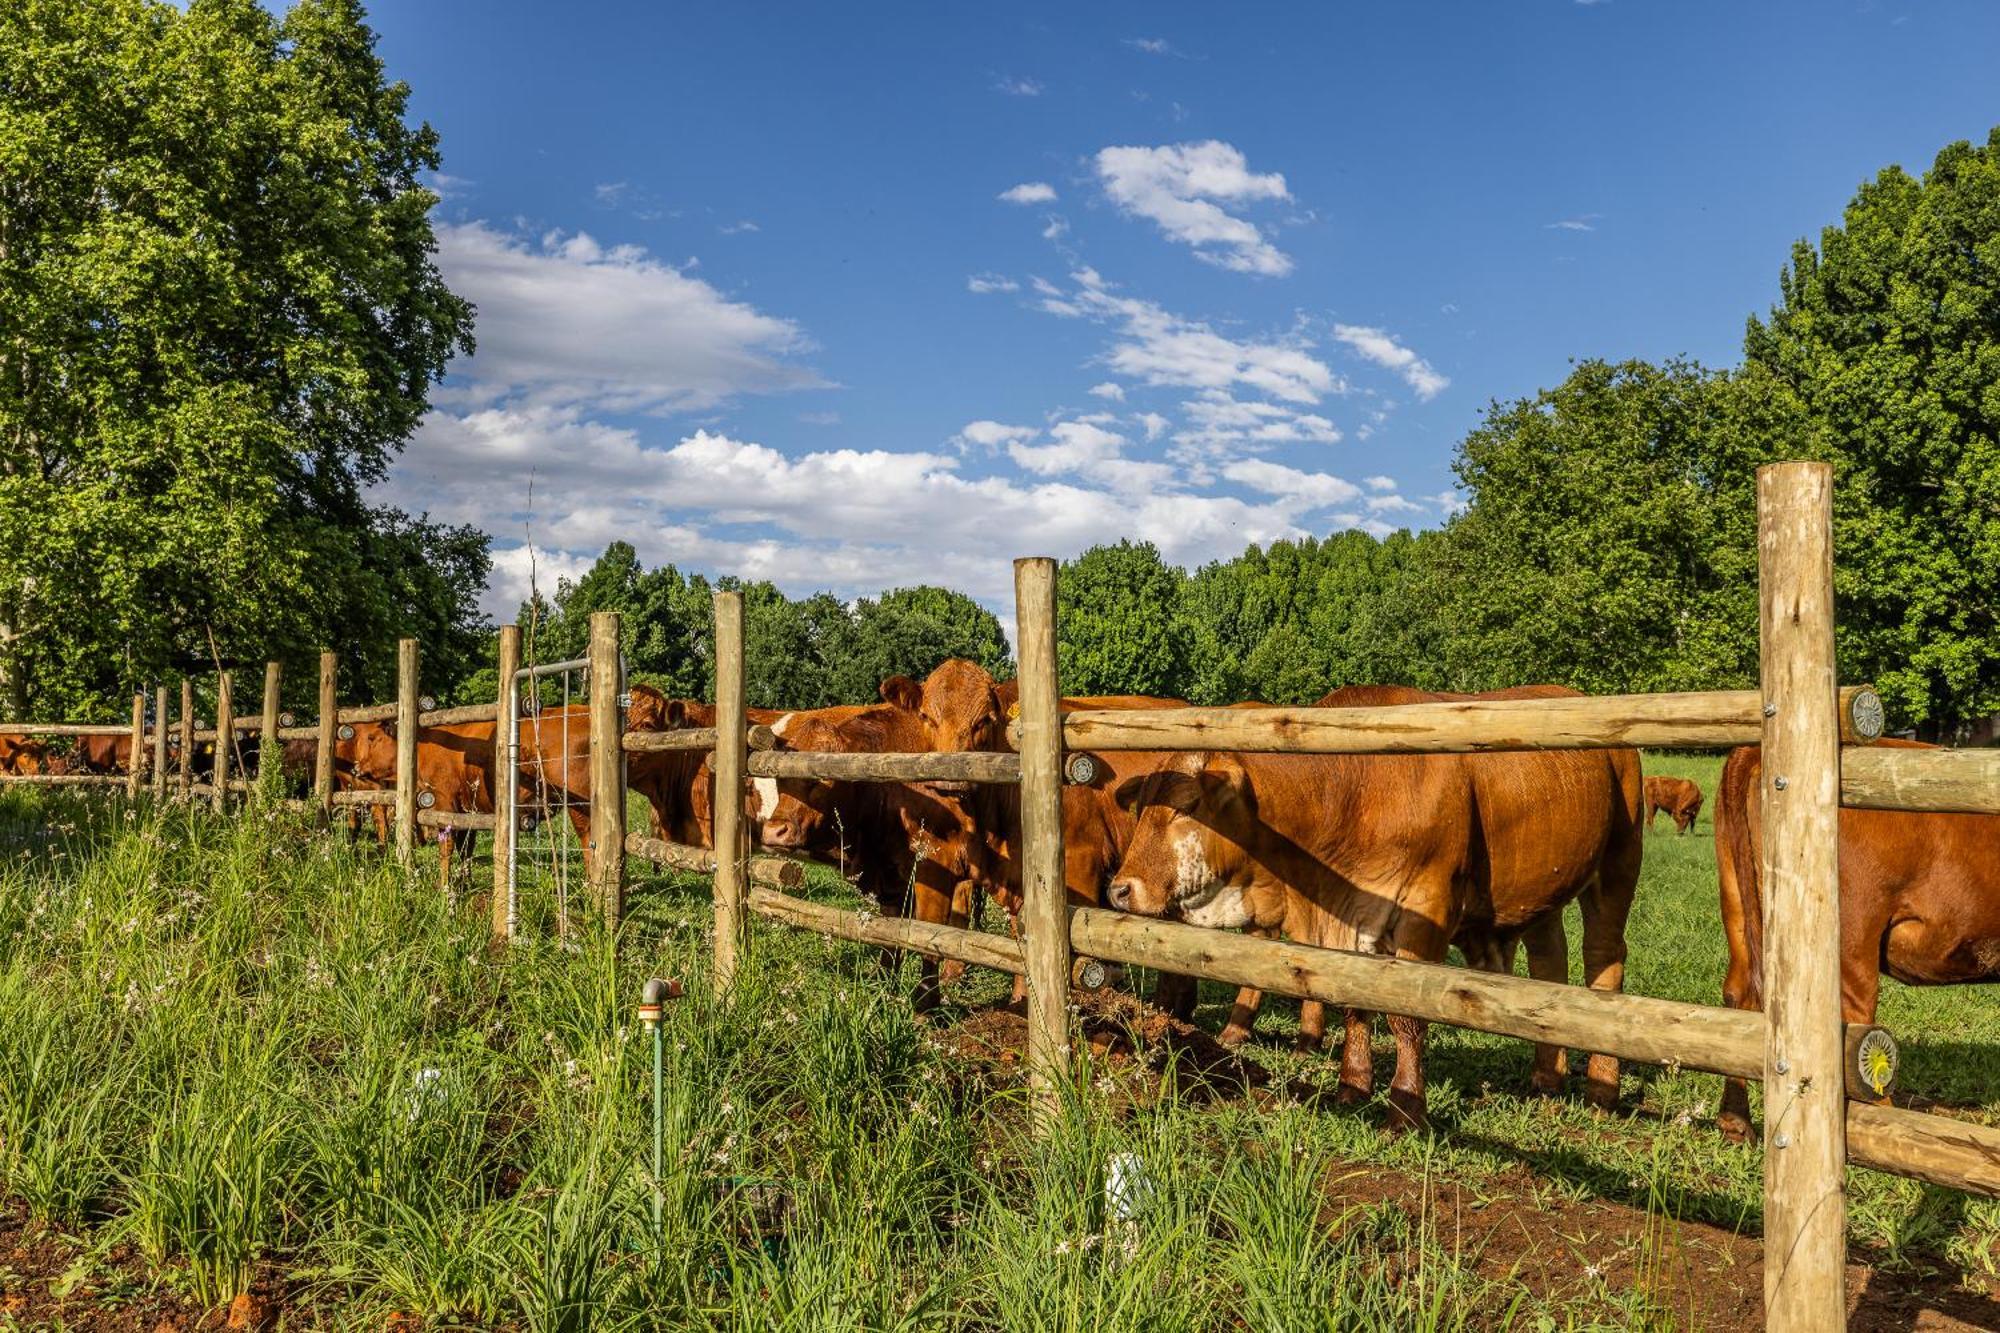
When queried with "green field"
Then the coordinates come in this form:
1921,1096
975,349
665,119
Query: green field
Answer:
247,1055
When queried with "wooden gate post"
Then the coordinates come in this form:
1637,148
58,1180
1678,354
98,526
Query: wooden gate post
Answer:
135,765
225,732
406,749
731,757
160,743
506,787
1045,903
1805,1098
607,768
187,737
329,731
270,751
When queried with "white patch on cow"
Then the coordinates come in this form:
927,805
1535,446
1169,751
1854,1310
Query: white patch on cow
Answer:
1204,899
767,796
778,727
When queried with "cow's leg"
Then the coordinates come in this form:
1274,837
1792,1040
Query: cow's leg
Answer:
1548,960
1312,1027
1741,989
1651,810
931,893
444,846
964,901
579,820
1174,993
1357,1058
1606,905
1417,939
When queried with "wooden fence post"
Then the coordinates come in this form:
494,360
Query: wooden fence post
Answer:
225,732
607,768
135,765
160,743
506,788
1045,904
187,737
329,732
1805,1098
406,749
731,749
270,751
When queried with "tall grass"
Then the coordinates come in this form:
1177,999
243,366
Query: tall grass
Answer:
257,1052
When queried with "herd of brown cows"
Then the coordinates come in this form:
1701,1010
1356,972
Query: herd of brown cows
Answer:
1397,855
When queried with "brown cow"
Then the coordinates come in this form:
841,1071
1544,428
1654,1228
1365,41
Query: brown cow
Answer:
1399,854
1919,901
103,754
1680,798
23,755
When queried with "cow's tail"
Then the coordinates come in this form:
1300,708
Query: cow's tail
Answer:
1737,810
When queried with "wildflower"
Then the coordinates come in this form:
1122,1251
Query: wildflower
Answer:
1062,1247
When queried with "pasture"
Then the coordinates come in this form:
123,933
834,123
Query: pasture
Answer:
243,1051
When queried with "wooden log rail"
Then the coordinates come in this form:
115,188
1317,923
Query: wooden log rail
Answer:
757,736
447,717
369,797
473,820
66,779
1713,719
307,733
1962,781
900,932
928,766
367,713
65,728
774,870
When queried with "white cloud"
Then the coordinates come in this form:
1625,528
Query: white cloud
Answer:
1379,483
1380,346
1153,424
1392,504
1314,490
447,186
611,192
983,283
736,228
563,319
1017,87
1183,189
1582,222
1029,192
1152,46
1110,389
993,434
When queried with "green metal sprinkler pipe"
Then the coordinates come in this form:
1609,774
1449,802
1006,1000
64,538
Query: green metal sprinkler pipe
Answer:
650,999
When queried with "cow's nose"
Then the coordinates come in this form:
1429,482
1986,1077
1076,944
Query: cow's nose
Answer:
1121,894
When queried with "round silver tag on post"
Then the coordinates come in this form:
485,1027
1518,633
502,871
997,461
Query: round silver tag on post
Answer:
425,703
1081,769
1875,1061
286,720
426,799
346,731
1866,714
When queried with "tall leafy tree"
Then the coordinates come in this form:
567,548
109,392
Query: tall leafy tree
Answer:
908,631
219,320
1886,340
1117,608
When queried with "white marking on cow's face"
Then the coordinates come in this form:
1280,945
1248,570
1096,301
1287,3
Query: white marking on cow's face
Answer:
1222,908
778,727
1204,899
767,796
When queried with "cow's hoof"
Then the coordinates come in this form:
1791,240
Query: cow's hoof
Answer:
1406,1113
1351,1094
1602,1095
1233,1035
1734,1127
951,972
1308,1043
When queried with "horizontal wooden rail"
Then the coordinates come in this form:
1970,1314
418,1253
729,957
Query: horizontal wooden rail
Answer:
831,766
203,790
1705,720
775,870
653,742
364,797
901,932
367,713
1632,1027
66,779
1964,781
475,820
446,717
65,729
308,733
1922,1146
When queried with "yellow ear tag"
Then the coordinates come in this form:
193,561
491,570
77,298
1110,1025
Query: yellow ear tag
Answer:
1013,712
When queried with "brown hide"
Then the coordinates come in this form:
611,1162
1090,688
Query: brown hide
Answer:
23,755
1399,854
1919,900
1680,798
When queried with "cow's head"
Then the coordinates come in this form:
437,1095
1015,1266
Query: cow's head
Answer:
370,753
1186,857
960,708
794,814
650,710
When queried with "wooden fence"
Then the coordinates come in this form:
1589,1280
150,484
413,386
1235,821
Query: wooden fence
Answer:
1820,1114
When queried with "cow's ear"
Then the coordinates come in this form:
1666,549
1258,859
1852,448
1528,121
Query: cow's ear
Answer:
677,714
1129,792
902,692
1225,778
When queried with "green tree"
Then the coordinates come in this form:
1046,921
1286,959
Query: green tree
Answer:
219,320
1118,609
1886,341
908,631
1609,542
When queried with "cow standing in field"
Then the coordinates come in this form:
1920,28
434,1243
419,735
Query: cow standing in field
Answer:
1680,798
1401,855
23,756
1919,901
103,754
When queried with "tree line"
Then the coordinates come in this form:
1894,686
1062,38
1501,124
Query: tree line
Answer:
220,320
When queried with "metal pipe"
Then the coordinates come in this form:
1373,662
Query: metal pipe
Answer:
655,991
541,669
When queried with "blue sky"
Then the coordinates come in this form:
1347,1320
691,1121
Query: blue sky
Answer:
860,296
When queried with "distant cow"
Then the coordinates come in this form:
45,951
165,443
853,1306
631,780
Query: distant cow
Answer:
1400,855
23,756
1919,901
1680,798
103,754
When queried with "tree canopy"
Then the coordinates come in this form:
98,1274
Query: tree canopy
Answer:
219,320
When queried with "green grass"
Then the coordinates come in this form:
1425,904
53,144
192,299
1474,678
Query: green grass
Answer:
246,1048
